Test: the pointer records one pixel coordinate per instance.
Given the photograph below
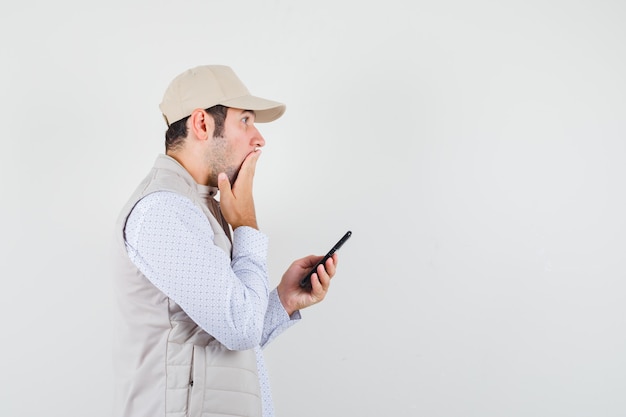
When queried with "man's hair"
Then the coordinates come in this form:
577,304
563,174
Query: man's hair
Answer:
177,131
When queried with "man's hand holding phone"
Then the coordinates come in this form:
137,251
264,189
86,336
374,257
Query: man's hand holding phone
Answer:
307,280
292,295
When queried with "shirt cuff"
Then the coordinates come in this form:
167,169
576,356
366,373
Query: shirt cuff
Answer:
276,319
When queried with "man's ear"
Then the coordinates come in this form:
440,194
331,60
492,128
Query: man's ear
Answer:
201,124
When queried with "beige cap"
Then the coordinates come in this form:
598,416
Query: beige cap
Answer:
208,85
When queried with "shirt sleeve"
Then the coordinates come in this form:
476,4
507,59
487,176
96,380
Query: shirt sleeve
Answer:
170,241
276,319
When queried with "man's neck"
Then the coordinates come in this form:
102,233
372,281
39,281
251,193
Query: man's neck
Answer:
197,170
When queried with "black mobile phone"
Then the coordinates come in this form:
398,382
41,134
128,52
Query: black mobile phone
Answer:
306,281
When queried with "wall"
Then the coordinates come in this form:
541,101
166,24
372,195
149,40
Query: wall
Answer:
475,150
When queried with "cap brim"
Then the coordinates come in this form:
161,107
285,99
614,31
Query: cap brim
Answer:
265,110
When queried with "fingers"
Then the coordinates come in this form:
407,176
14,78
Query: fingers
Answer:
236,199
244,177
243,183
248,167
331,265
320,280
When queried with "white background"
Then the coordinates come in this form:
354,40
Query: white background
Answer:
475,149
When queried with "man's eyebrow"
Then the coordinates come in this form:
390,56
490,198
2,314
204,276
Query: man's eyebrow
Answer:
249,111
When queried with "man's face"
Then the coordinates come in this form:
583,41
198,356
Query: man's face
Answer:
227,152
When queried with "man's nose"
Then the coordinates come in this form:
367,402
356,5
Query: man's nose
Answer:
258,139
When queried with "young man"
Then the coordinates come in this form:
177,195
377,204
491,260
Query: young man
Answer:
195,307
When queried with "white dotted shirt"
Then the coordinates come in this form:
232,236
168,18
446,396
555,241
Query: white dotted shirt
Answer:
170,240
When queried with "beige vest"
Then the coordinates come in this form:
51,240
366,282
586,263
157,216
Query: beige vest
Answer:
165,364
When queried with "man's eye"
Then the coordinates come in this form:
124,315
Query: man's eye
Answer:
245,120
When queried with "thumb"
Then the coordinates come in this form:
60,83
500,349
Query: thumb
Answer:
223,184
